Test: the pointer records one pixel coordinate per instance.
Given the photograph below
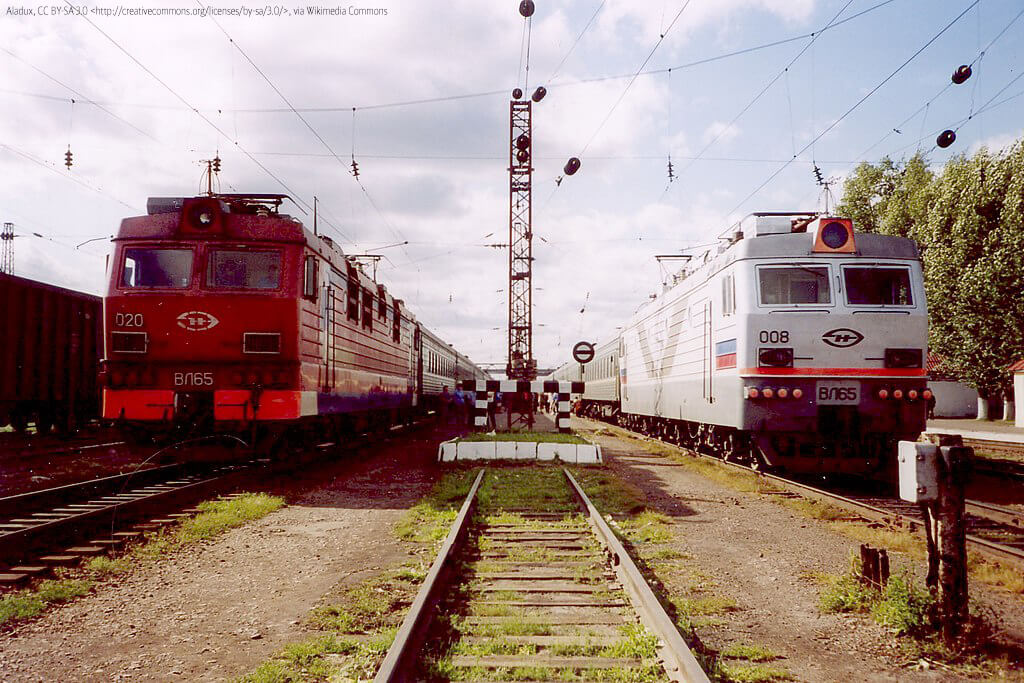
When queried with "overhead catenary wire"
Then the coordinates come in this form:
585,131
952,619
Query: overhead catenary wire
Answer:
462,96
856,105
316,134
294,195
565,57
73,178
949,84
767,86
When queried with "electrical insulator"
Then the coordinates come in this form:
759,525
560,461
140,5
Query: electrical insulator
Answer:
962,73
355,168
671,172
68,158
517,94
526,8
945,139
539,93
817,174
216,164
572,166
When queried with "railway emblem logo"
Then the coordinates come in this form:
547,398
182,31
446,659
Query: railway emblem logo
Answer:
196,321
842,337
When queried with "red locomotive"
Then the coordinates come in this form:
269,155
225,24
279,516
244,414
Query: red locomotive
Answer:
225,315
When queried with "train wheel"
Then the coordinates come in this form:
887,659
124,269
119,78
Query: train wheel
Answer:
44,421
19,421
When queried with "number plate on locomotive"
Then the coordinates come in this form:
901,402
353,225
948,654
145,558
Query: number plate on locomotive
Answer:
838,393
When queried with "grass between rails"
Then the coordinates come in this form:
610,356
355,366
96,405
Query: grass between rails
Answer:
215,517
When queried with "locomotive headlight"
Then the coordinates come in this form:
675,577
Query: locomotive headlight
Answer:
926,394
912,394
798,393
783,392
883,394
775,358
897,393
834,235
752,392
767,393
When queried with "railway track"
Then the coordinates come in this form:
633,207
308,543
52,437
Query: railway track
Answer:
536,594
34,523
992,530
43,529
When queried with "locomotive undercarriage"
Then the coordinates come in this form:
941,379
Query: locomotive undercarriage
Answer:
193,426
837,447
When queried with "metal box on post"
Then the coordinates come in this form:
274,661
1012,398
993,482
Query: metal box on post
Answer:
919,471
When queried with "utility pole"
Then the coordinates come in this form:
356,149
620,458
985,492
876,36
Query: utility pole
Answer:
7,237
521,364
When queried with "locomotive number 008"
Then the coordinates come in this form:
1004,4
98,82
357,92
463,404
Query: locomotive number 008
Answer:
774,336
193,379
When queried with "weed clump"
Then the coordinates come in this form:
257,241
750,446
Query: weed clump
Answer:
30,603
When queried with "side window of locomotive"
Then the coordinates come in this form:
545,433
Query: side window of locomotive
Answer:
728,294
170,268
238,269
352,306
794,285
869,286
309,279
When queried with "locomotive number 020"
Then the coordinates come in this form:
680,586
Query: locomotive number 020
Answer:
129,320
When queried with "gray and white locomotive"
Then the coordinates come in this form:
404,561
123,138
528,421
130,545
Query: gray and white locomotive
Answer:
797,344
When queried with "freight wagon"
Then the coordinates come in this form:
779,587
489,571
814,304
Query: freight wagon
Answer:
49,355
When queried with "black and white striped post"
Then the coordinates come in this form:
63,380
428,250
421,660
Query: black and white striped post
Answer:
508,386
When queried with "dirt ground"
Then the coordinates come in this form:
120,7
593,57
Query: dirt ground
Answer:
764,557
217,610
48,462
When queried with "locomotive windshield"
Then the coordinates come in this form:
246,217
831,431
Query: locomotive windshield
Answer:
794,285
236,269
171,268
877,286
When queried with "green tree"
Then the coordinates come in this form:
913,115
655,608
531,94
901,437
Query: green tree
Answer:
969,225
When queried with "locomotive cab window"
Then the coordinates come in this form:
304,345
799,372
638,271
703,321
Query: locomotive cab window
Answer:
170,268
874,286
239,269
781,286
309,283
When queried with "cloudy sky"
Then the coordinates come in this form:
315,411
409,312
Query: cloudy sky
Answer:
430,83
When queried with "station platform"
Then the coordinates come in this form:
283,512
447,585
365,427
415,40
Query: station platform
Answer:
986,430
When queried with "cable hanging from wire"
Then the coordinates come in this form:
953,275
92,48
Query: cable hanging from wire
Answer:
898,128
767,86
857,104
352,170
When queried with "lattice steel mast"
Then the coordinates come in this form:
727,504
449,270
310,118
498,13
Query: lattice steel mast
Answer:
7,258
521,364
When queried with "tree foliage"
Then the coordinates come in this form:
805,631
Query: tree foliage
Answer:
969,224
